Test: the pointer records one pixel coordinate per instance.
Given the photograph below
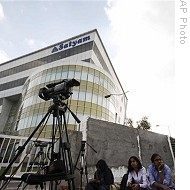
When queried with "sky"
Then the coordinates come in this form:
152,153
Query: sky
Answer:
139,37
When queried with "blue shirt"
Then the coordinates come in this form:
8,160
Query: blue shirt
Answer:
154,175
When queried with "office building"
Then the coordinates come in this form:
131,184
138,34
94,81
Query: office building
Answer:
83,58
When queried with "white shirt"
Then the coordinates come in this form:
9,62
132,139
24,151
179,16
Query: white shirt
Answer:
140,177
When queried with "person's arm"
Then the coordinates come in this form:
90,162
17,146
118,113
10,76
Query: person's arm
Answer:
161,172
144,183
107,177
153,180
151,175
167,175
129,180
162,186
123,183
96,177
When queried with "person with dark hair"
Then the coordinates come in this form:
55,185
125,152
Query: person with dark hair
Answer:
137,176
103,177
123,184
160,174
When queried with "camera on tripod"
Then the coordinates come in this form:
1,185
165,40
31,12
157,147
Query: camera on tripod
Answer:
60,166
62,88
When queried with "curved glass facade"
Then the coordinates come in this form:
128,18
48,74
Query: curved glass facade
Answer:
86,100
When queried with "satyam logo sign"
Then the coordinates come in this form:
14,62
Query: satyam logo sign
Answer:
70,44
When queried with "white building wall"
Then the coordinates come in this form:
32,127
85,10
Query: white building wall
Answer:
11,92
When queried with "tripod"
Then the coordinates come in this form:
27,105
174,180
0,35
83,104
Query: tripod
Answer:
61,166
40,160
83,162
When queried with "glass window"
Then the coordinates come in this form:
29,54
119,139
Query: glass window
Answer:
96,79
43,79
71,74
101,81
84,75
64,74
90,77
75,95
94,98
20,124
53,76
100,99
104,102
58,75
82,96
71,119
50,120
8,152
33,123
77,75
47,79
25,121
29,122
88,96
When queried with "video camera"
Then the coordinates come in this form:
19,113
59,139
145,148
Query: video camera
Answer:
62,88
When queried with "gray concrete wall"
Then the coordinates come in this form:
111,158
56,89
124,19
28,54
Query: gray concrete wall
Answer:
116,143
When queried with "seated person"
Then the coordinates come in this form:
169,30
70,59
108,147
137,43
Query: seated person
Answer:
123,184
137,176
160,174
103,177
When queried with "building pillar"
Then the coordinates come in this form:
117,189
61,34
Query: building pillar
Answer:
6,107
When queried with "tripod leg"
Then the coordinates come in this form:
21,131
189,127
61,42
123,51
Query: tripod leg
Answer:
81,171
21,149
64,148
29,168
70,168
85,168
86,172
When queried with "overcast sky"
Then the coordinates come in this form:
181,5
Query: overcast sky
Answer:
138,36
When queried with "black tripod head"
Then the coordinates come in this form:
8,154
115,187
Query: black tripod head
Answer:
83,145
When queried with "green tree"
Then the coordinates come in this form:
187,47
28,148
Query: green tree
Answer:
130,122
144,124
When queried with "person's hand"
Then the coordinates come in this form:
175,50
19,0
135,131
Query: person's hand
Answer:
92,181
135,186
64,187
161,166
129,184
164,187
